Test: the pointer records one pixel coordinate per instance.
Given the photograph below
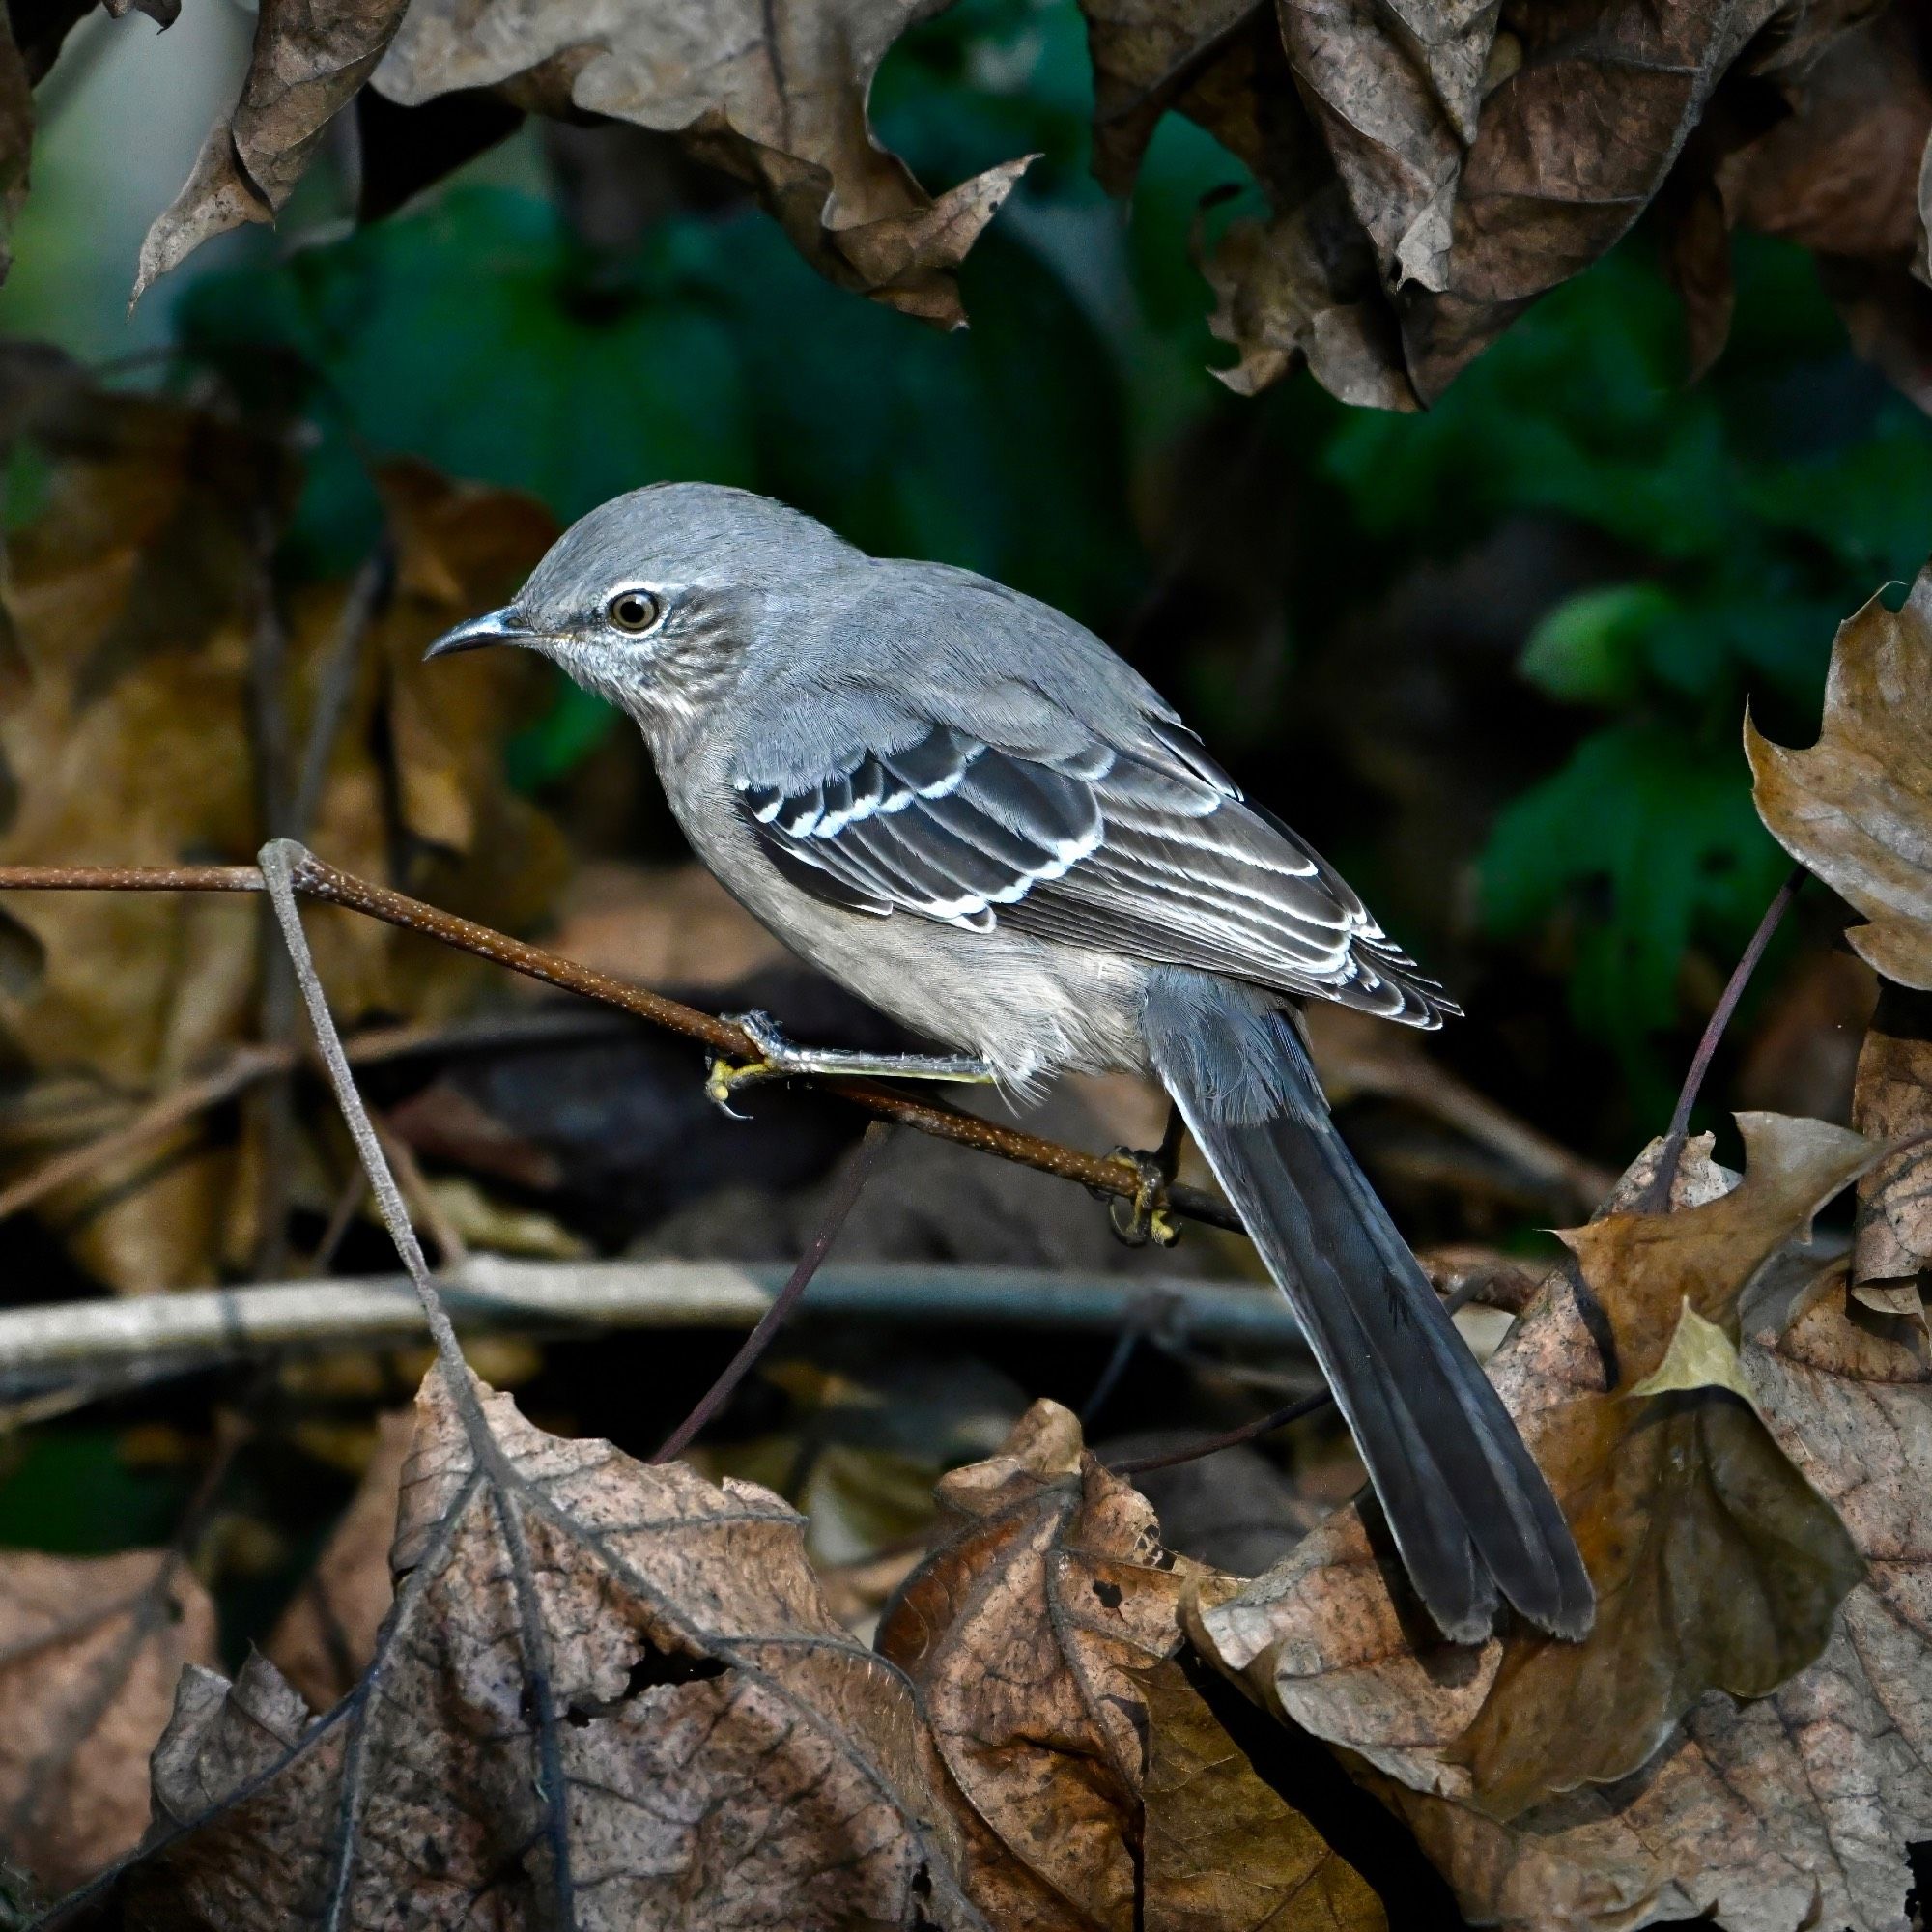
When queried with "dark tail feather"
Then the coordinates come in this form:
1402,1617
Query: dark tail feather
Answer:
1469,1509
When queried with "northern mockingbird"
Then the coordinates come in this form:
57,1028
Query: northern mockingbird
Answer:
966,809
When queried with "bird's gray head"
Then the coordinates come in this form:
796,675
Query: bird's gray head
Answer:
650,600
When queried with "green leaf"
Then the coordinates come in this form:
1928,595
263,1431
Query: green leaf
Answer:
1589,649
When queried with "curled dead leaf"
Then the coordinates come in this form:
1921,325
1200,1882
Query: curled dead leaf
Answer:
607,1695
1857,807
308,63
1095,1788
774,96
90,1649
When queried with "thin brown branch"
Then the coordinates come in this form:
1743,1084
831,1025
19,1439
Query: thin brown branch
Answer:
316,879
246,1064
1657,1196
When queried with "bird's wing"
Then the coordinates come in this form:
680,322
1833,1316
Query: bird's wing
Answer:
1145,847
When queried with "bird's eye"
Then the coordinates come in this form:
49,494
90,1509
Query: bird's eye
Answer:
633,610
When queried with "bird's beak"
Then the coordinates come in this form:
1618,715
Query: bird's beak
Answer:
493,627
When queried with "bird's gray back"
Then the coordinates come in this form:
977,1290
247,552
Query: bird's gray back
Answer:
893,649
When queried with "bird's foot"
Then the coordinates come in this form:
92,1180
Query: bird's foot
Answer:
778,1059
1144,1216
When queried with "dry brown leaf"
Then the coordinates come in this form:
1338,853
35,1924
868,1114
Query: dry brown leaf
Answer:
1715,1564
133,593
1569,149
1021,1631
1221,1849
1893,1245
775,94
1857,807
90,1648
608,1695
1028,1631
325,1637
1793,1810
308,63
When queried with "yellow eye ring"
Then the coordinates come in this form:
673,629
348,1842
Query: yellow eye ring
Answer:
633,610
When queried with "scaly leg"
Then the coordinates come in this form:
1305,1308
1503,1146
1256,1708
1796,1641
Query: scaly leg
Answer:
780,1060
1146,1218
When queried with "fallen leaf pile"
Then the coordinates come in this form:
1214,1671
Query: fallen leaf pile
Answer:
135,592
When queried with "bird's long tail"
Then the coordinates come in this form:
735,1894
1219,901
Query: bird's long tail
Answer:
1469,1510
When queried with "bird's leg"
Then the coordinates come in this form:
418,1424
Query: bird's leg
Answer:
780,1060
1144,1217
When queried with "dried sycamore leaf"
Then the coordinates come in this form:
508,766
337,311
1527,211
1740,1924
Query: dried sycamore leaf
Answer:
608,1695
775,94
1857,807
1893,1101
307,65
1222,1851
325,1637
133,592
90,1648
1789,1812
1716,1564
1021,1629
1096,1788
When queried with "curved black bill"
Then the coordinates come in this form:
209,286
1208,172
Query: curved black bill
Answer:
493,627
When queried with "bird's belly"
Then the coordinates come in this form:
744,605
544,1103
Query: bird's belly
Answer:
1031,1007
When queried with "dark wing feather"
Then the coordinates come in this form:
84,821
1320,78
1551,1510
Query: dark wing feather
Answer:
1150,851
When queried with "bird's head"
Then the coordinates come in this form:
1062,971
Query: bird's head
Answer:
651,599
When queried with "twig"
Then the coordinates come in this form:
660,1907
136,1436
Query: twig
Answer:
315,879
845,1196
197,1329
335,683
276,876
244,1064
1657,1196
249,1062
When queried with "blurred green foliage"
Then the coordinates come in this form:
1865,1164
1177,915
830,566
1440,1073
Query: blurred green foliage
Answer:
1740,518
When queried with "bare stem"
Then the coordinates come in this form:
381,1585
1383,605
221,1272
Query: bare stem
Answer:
1657,1196
277,873
851,1183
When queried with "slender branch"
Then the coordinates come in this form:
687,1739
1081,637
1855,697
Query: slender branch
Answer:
248,1064
194,1329
1657,1196
245,1064
844,1197
315,879
278,881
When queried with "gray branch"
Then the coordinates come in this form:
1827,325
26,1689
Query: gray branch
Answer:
107,1342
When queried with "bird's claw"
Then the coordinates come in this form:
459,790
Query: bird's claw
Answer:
724,1075
1144,1216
